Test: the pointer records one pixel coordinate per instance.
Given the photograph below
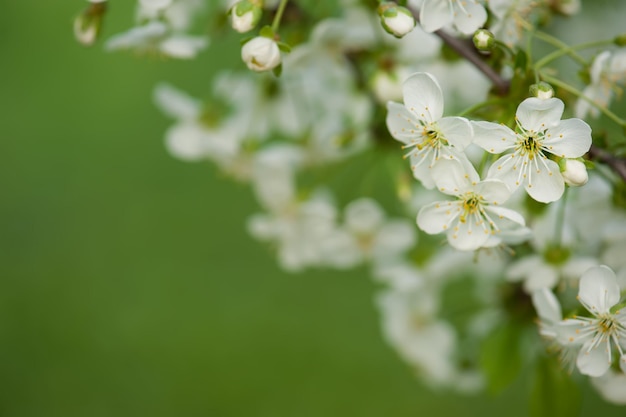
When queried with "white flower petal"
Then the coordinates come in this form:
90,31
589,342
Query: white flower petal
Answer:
507,169
435,14
493,138
468,235
456,130
598,289
569,139
176,103
493,191
364,216
423,96
594,362
547,306
451,177
469,16
539,114
438,216
401,124
568,332
545,183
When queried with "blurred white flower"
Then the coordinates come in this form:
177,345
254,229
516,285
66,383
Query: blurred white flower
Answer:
465,15
261,54
607,72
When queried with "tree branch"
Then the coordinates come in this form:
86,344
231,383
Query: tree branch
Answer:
617,164
466,49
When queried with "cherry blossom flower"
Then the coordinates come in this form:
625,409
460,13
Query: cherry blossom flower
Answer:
540,132
466,15
420,126
598,293
475,217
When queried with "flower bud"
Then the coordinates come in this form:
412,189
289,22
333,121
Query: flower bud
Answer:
566,7
396,20
542,90
484,40
88,24
245,15
261,54
574,173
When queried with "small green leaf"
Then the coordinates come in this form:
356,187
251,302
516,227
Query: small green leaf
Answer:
246,40
284,47
521,60
267,32
278,70
553,393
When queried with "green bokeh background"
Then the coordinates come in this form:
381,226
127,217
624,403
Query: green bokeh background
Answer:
129,286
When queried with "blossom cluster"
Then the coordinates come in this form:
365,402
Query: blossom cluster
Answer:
497,203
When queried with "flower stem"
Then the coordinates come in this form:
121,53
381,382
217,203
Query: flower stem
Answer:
566,51
608,113
279,15
560,220
477,106
556,42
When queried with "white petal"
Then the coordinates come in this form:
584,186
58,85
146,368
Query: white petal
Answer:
394,238
364,216
493,138
469,17
182,46
539,114
568,332
598,289
456,130
435,14
544,183
594,362
547,306
505,213
451,177
423,96
176,103
569,139
438,216
401,124
340,250
493,191
187,141
507,169
468,235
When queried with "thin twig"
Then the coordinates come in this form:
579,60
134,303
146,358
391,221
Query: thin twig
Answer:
466,49
617,164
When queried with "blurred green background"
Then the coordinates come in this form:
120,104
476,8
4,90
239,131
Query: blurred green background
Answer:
129,286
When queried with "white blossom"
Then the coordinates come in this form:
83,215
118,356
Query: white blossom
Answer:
261,54
476,216
420,126
465,15
596,335
607,72
540,131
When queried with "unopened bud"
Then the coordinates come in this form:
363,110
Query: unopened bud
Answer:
88,24
542,90
261,54
484,40
574,172
245,15
566,7
396,20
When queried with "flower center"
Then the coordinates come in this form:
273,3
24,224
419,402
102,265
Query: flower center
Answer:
432,138
471,205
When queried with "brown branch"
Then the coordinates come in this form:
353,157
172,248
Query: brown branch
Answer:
617,164
466,50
